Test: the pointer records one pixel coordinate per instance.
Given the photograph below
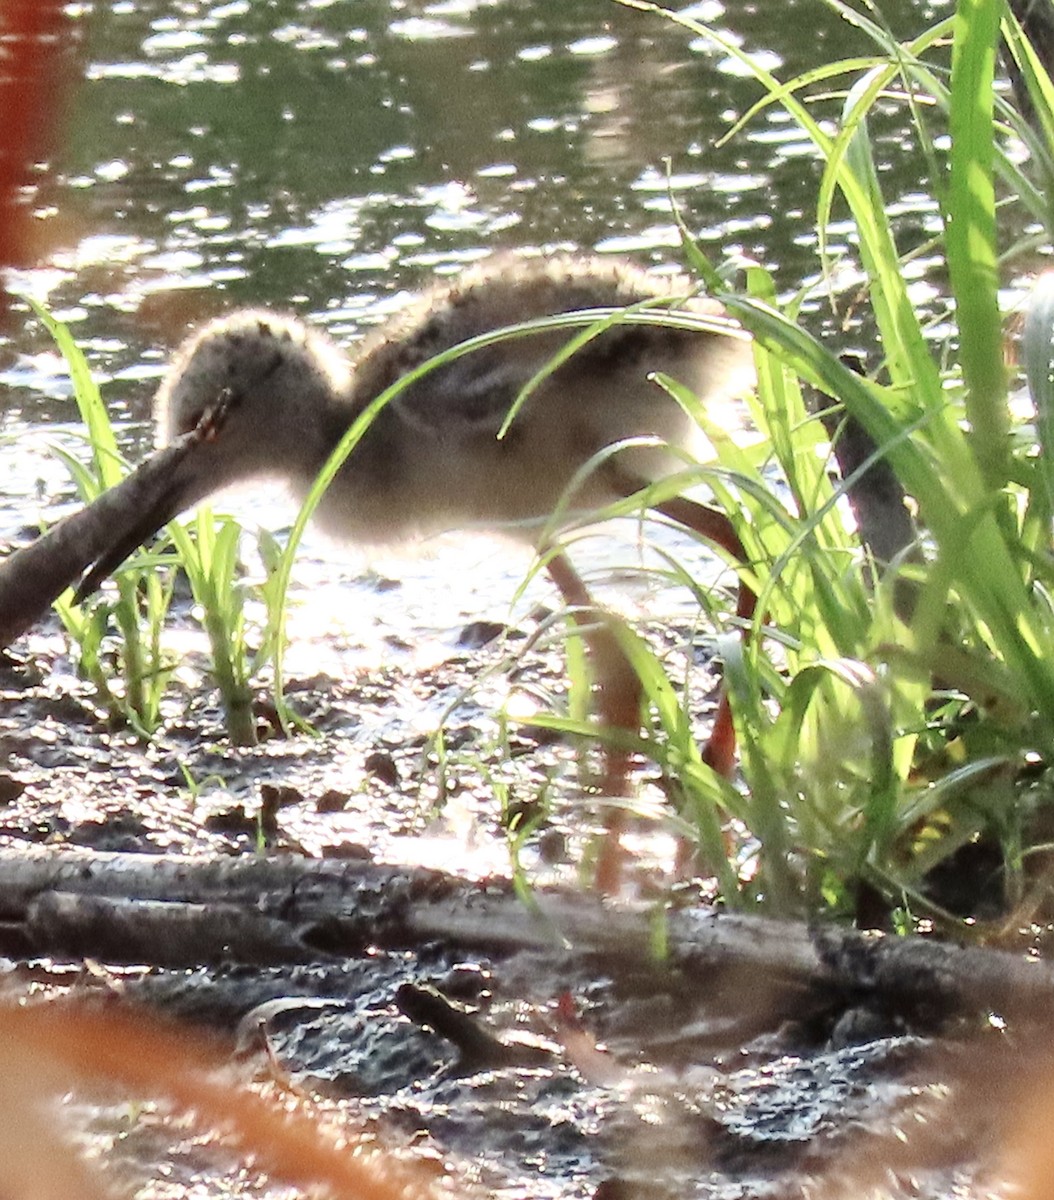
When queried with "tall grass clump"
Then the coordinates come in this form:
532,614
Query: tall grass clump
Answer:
133,695
206,549
208,552
884,727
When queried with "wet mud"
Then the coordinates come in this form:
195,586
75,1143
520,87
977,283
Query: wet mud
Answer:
529,1073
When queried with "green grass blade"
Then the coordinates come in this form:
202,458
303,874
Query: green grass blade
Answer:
108,462
1037,353
971,234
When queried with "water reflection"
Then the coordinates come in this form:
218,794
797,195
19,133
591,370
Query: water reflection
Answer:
323,154
34,42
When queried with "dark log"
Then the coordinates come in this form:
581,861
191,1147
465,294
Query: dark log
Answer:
162,933
330,908
879,502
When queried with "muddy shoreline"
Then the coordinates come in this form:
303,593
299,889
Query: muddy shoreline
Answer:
621,1077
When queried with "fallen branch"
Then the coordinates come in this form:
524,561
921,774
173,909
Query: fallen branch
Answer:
293,909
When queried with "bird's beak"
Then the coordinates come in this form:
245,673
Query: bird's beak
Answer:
173,493
166,484
90,543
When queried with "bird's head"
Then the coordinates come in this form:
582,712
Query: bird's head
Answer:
273,381
249,396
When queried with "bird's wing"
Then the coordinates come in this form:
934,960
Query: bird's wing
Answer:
470,396
477,389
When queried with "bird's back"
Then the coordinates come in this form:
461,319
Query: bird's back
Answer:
436,456
504,291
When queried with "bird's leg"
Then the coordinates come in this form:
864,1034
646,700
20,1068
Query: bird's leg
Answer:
618,686
720,749
619,699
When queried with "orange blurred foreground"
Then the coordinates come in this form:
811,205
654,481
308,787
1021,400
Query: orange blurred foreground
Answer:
50,1048
31,90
